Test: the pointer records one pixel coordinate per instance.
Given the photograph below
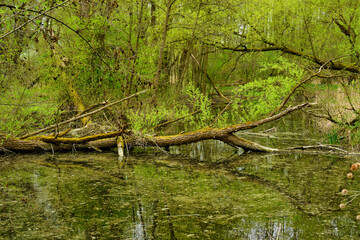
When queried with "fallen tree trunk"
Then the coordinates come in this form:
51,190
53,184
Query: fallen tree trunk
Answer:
109,140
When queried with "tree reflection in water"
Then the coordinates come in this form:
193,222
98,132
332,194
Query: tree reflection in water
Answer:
169,196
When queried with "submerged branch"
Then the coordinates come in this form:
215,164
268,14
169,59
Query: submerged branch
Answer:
320,146
237,141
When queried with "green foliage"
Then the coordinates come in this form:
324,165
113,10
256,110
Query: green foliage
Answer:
145,119
260,97
354,134
26,109
333,136
199,102
224,119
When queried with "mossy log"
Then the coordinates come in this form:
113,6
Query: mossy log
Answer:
44,143
108,141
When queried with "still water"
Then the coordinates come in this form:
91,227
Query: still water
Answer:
154,195
206,190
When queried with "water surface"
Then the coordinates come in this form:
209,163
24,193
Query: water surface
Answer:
200,191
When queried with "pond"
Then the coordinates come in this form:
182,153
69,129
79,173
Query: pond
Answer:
205,190
153,195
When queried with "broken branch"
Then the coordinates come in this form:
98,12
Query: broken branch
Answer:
81,116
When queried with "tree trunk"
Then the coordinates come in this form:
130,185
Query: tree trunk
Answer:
61,64
162,48
107,141
134,55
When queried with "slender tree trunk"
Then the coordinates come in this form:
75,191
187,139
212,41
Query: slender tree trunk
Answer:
205,67
131,53
61,63
133,62
162,48
152,13
188,50
182,67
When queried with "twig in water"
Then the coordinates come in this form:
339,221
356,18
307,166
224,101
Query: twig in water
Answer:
320,146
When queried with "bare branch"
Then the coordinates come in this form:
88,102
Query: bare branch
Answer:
328,117
81,116
221,112
61,22
208,77
292,91
294,52
301,83
172,121
32,19
349,98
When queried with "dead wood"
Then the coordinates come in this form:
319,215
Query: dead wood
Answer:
107,141
52,139
80,117
321,146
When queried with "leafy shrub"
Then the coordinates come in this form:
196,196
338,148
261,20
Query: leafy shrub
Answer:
201,102
260,97
26,109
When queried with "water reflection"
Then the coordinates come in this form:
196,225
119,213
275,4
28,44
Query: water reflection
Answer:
152,195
